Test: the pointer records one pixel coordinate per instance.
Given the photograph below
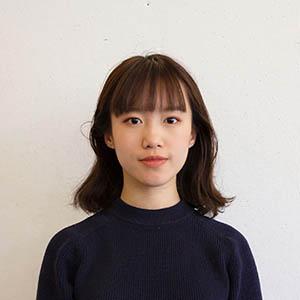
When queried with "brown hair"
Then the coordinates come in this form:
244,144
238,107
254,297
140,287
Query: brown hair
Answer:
141,79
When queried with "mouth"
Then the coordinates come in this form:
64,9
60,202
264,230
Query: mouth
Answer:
154,162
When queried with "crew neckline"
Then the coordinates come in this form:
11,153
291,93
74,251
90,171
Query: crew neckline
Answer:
166,215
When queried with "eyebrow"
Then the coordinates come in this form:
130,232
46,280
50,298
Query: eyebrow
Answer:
164,111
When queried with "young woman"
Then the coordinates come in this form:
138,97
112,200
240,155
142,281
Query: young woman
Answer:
149,192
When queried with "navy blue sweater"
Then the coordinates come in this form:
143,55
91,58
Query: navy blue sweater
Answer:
126,253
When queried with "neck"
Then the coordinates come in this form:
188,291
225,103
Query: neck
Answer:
134,214
140,201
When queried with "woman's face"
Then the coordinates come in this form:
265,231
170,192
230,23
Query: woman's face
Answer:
137,135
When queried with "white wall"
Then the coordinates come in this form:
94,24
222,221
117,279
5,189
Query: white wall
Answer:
55,56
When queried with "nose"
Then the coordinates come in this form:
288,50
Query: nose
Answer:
153,145
152,139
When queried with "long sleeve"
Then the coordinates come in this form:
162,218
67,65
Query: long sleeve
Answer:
244,279
58,269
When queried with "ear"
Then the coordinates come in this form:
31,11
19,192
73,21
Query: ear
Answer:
193,137
108,139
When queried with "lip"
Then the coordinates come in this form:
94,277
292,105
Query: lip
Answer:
154,163
154,157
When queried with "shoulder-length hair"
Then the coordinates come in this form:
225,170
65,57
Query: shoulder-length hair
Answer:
135,85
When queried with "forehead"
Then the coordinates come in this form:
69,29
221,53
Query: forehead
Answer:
157,110
148,99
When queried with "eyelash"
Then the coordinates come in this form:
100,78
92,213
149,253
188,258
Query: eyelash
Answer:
125,121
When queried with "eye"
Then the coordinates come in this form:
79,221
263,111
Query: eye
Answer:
174,118
125,121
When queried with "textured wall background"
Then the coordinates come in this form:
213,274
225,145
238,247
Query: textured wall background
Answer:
55,56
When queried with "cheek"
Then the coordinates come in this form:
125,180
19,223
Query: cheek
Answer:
179,147
122,138
125,149
181,139
180,150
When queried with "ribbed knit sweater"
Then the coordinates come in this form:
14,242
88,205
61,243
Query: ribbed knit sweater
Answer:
127,253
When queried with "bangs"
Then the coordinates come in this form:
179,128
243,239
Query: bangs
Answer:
144,84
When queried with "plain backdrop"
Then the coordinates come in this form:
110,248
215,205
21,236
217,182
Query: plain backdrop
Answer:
55,56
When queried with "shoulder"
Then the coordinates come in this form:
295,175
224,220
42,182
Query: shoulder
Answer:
229,241
71,238
237,257
229,235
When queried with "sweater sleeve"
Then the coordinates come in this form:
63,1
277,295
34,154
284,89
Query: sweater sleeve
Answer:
58,269
243,274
